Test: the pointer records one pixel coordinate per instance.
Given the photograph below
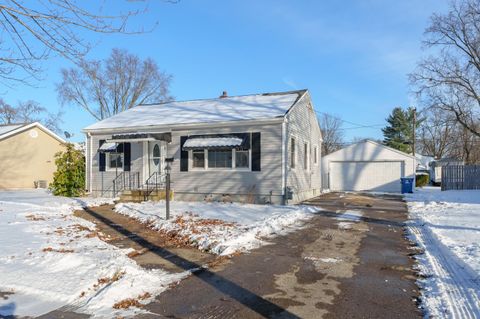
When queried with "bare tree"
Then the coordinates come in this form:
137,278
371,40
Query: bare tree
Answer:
7,113
332,133
466,146
34,30
450,81
436,133
105,88
28,112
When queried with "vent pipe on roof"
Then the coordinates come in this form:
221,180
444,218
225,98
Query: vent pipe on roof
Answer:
224,95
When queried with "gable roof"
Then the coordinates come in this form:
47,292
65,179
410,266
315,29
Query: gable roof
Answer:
9,127
376,144
235,108
18,128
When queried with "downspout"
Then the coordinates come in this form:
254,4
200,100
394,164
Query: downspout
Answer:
88,163
284,160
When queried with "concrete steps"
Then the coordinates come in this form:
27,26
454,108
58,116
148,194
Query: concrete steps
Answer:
140,195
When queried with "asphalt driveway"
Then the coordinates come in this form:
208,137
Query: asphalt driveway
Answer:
357,266
350,261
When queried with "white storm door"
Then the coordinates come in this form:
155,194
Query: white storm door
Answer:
156,154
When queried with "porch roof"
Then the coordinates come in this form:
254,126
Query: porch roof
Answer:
140,137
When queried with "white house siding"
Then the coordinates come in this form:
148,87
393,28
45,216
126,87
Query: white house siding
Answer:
217,185
367,166
302,125
101,182
237,185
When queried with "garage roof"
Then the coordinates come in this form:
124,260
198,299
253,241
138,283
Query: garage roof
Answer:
374,143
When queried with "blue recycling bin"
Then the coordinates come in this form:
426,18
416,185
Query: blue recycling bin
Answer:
407,185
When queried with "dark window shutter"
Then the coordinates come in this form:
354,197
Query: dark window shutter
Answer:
256,152
183,155
101,157
120,148
127,151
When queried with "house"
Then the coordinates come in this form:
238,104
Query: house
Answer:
367,166
262,148
27,154
436,168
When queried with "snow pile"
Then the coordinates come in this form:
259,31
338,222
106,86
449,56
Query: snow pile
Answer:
218,227
347,217
446,225
51,259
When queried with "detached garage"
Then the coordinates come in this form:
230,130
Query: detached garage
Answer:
367,166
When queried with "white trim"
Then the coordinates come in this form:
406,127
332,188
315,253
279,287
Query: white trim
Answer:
29,126
306,155
90,152
315,155
295,156
214,169
145,160
107,162
284,155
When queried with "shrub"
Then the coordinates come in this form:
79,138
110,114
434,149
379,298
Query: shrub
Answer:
422,180
69,179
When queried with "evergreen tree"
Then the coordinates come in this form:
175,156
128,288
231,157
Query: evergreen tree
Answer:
69,179
398,133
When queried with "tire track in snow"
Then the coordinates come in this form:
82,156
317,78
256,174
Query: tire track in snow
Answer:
458,292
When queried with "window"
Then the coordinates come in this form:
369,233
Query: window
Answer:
156,154
220,159
315,155
198,157
305,156
292,153
242,159
114,161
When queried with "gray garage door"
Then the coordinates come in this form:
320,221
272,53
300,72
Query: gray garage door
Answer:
379,176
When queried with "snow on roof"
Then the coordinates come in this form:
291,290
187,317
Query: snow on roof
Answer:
108,147
205,142
10,127
423,161
235,108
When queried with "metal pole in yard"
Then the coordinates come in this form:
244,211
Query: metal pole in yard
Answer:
167,187
167,195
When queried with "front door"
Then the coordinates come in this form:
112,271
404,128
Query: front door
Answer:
156,156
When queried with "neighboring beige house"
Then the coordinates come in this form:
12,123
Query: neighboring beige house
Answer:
27,155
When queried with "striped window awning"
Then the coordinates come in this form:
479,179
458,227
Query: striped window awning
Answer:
212,142
108,147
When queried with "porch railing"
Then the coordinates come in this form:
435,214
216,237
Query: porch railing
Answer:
126,181
153,183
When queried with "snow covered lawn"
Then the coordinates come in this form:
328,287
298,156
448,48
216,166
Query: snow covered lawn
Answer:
220,228
50,259
446,225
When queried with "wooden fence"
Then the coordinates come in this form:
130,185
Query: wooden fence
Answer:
460,177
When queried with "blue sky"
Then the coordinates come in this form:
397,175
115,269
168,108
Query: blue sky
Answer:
353,56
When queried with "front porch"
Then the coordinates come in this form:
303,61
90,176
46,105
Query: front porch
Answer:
131,166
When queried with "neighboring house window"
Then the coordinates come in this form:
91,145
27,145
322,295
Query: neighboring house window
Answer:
292,152
305,156
115,161
198,157
315,155
220,159
242,159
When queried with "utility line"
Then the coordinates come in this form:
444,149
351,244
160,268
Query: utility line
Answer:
349,122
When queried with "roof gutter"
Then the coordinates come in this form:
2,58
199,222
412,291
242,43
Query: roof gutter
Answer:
183,127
